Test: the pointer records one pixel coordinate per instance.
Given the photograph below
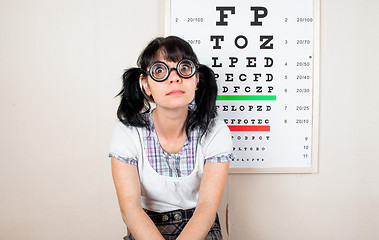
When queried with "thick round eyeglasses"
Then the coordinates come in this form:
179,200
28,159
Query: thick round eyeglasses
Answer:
159,71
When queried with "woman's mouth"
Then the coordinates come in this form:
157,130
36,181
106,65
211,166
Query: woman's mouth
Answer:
176,92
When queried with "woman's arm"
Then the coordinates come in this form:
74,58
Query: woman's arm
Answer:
126,180
210,193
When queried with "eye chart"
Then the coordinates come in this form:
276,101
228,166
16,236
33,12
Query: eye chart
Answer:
265,58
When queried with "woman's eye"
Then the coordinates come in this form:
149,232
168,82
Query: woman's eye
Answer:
159,70
185,68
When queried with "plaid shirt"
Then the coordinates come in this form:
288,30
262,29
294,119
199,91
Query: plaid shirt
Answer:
171,164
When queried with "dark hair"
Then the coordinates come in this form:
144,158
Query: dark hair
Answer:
134,101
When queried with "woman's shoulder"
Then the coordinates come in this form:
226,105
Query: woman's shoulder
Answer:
217,141
219,124
126,133
218,129
126,140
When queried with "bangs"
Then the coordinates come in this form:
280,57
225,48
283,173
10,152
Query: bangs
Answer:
169,53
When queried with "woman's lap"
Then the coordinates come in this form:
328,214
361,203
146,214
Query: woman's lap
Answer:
170,224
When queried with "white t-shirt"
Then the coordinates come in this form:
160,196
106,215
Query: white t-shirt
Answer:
163,193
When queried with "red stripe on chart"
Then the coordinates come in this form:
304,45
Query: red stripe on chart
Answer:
248,128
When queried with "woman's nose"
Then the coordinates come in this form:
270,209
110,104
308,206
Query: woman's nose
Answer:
172,81
174,77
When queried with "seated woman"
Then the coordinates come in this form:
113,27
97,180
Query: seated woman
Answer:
170,163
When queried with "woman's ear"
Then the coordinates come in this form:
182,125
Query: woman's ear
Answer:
144,86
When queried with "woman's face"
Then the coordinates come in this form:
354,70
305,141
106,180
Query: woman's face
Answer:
174,92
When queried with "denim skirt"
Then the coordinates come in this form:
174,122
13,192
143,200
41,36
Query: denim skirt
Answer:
170,224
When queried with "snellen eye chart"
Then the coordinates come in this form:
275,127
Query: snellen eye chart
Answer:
265,55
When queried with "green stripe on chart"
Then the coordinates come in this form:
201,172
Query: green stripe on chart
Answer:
246,97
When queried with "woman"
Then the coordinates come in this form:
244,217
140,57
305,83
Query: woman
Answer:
170,164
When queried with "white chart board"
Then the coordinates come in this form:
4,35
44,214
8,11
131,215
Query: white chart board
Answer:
265,55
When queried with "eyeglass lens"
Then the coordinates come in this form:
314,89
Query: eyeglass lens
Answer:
159,71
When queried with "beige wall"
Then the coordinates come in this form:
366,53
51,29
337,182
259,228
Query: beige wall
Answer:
60,66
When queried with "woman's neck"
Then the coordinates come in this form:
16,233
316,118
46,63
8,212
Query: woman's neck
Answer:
170,123
170,126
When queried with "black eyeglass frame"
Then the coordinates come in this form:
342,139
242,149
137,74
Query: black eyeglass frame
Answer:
168,70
